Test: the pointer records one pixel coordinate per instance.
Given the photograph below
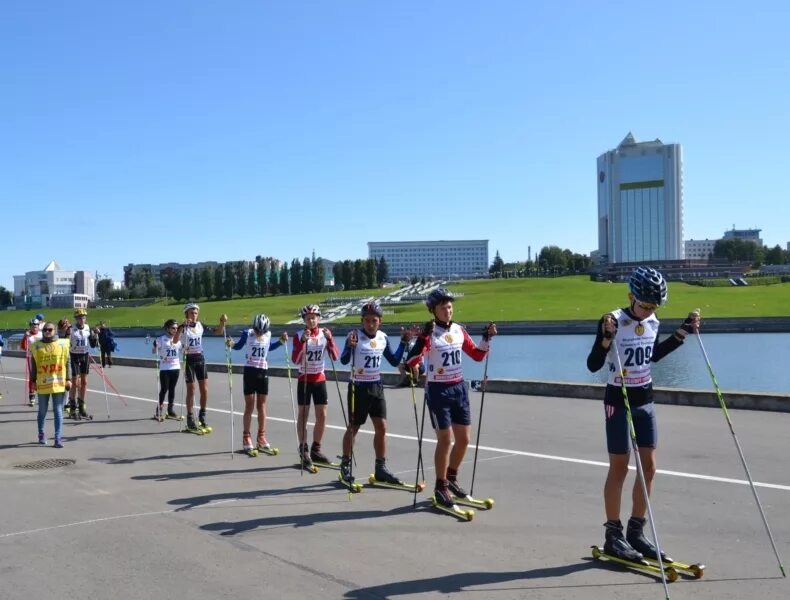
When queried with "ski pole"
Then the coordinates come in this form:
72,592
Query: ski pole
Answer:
351,409
109,382
416,421
104,383
339,394
419,448
639,471
5,379
723,405
479,424
293,408
228,361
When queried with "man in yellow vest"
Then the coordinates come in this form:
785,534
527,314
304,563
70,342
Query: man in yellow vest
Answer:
50,363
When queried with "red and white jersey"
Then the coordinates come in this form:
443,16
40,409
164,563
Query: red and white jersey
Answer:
312,362
79,339
168,353
634,342
257,349
366,357
31,339
193,339
444,349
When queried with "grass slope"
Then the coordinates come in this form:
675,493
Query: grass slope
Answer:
562,298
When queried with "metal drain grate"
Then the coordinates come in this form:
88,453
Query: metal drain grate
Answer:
47,463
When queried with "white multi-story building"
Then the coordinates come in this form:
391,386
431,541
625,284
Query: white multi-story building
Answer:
438,259
54,286
640,202
699,249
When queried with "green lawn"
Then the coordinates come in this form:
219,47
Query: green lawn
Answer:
562,298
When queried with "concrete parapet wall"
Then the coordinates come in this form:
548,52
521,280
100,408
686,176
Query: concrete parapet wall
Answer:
677,396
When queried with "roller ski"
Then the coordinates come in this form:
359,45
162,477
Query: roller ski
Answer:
347,478
172,415
193,427
247,447
31,399
265,447
640,565
306,464
460,496
202,423
383,477
636,538
159,415
320,459
618,550
69,410
443,501
81,413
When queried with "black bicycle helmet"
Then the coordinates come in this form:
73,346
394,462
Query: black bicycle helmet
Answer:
648,285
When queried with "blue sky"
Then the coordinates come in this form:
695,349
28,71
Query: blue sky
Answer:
155,131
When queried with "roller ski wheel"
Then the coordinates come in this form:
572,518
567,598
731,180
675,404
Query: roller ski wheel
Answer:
484,503
312,469
352,486
193,429
206,428
695,570
642,566
406,487
268,450
327,465
454,510
251,452
173,417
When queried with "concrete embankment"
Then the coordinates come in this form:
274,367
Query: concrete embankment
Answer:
676,396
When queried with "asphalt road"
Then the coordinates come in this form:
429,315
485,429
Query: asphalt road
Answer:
148,512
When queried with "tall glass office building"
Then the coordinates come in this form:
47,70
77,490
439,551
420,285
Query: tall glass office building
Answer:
640,202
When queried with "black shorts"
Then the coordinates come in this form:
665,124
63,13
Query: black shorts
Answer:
315,390
618,433
368,400
195,368
80,364
256,381
448,404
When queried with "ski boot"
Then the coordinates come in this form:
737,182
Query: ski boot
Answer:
307,461
42,439
171,414
202,422
83,414
455,489
616,544
192,427
316,455
442,497
264,446
384,475
71,409
345,471
31,399
634,535
247,447
159,414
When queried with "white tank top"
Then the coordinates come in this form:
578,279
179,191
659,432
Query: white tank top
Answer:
79,339
257,349
367,356
193,339
168,353
444,357
635,340
313,363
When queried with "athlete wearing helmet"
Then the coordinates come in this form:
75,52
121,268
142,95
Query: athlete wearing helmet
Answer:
167,350
191,330
442,342
258,343
32,335
632,332
308,354
364,349
81,340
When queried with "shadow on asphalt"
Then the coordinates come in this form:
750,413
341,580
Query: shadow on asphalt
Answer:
68,435
196,501
237,527
201,474
108,460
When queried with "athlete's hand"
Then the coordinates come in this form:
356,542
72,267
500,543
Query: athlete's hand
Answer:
609,326
284,337
327,334
427,329
692,322
489,331
68,385
223,318
306,336
229,341
351,339
406,334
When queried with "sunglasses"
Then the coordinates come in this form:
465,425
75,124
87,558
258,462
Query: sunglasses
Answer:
650,307
49,329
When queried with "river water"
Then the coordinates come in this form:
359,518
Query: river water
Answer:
755,362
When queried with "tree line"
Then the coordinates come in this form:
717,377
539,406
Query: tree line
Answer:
552,260
736,250
265,276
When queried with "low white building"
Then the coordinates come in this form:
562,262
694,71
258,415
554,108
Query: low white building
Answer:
53,286
434,259
699,249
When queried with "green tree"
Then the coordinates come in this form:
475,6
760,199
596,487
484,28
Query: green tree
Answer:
348,274
284,289
296,277
103,288
187,291
197,285
774,256
207,281
497,266
337,273
240,277
359,274
370,273
252,280
382,271
319,274
229,281
7,298
274,280
155,290
219,282
263,281
307,276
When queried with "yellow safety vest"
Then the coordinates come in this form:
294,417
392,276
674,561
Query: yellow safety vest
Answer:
52,359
